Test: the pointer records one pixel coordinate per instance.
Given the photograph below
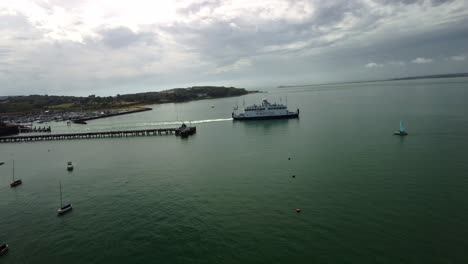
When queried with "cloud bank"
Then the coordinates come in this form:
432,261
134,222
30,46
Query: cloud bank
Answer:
110,47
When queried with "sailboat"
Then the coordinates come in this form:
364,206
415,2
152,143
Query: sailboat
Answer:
63,209
14,182
402,131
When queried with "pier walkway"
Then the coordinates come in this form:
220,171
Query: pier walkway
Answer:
90,135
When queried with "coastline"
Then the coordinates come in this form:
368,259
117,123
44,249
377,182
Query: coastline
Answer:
81,109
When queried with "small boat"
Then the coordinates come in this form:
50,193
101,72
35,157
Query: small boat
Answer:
212,106
3,249
14,182
402,131
184,131
79,121
63,208
69,166
2,162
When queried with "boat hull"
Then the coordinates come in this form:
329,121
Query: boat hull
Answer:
64,209
3,249
6,130
16,183
288,116
185,131
400,133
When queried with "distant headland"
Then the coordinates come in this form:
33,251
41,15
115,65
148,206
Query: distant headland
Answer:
41,103
435,76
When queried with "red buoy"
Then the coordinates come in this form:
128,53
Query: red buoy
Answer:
298,210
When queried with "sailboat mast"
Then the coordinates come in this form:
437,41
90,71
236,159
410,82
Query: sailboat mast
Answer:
60,182
13,170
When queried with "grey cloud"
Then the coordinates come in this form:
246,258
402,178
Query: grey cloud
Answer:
225,44
440,2
405,2
410,2
334,11
9,22
197,6
4,52
121,37
18,27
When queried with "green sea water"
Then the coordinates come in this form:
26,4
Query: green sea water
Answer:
226,195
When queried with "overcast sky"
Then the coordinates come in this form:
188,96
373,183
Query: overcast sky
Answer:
106,47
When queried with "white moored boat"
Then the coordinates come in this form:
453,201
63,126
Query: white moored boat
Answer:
266,110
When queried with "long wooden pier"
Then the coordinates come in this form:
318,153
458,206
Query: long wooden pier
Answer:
90,135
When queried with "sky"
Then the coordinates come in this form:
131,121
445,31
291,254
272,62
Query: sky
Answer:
109,47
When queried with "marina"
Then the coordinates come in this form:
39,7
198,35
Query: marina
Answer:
31,129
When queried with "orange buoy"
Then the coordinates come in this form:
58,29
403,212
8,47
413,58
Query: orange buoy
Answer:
298,210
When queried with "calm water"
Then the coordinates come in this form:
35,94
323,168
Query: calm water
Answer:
226,195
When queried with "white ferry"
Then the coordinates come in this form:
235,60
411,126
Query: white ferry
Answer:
265,111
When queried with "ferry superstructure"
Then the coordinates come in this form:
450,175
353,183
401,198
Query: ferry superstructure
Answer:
266,110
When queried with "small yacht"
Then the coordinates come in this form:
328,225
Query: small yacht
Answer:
3,249
14,182
69,166
266,110
63,208
402,131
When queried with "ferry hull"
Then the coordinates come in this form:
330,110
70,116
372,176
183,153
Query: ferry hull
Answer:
289,116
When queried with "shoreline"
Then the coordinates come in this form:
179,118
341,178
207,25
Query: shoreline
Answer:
120,105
